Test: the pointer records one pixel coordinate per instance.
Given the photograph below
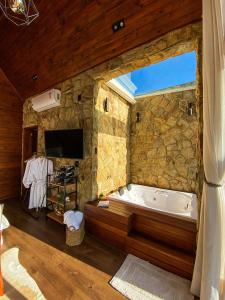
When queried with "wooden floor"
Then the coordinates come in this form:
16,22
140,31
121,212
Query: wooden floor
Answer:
61,272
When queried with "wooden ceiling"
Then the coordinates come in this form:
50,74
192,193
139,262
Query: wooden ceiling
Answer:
72,36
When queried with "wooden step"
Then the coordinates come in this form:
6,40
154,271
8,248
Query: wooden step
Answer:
161,255
146,234
168,234
111,216
108,233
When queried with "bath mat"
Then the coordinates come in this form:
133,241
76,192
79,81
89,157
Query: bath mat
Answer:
139,280
18,284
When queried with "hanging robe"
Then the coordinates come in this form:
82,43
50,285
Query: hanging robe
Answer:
35,176
25,180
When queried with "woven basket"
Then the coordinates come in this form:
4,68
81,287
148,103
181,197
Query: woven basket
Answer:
75,237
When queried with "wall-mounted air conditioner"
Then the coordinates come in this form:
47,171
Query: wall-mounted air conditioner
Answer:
46,100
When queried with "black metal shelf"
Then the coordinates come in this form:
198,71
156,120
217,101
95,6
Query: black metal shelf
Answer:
63,205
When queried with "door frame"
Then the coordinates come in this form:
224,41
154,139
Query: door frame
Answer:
22,161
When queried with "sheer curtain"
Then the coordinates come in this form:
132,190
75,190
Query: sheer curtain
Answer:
208,277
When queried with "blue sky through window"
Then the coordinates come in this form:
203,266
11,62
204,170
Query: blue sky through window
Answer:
171,72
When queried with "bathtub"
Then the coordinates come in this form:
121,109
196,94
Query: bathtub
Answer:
174,203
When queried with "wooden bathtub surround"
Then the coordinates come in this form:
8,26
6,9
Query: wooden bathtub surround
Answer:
163,240
160,226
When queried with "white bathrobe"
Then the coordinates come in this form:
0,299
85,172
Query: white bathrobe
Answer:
36,175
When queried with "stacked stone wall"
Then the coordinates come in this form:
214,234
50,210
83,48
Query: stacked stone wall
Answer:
113,141
164,149
164,144
74,112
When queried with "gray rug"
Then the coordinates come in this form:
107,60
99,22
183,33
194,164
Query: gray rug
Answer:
139,280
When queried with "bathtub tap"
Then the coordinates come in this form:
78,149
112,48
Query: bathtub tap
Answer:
121,190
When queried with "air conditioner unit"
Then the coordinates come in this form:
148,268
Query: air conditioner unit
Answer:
46,100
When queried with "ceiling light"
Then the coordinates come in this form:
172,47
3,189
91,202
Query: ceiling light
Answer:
17,6
20,12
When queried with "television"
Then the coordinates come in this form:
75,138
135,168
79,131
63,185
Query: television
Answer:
67,143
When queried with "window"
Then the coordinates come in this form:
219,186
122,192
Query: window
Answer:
172,72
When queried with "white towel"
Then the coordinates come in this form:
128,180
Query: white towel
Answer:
73,219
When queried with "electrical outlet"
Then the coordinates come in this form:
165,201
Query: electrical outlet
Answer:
118,25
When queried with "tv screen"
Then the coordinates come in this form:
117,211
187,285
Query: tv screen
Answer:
64,143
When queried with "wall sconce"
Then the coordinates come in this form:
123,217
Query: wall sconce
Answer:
106,105
190,109
138,117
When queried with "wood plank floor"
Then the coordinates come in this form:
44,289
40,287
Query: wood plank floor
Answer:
61,272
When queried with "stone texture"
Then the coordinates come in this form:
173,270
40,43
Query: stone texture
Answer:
171,44
113,135
71,114
164,143
172,141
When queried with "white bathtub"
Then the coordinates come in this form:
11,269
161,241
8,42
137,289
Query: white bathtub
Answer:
166,201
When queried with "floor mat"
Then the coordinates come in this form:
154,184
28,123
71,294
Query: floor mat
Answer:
139,280
18,284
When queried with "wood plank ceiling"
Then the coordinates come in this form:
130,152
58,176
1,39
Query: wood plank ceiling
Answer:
72,36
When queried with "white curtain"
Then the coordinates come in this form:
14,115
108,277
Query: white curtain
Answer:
208,277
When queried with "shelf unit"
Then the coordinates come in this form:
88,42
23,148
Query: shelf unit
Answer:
56,201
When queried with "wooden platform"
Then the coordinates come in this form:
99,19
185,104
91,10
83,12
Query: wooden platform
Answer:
163,240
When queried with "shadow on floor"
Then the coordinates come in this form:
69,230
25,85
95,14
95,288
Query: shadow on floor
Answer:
12,293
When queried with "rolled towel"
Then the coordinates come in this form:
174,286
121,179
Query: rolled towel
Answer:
73,219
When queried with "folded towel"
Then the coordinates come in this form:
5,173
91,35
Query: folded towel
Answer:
73,218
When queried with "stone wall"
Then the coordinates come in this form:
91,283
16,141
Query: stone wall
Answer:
70,114
106,163
174,43
113,135
164,143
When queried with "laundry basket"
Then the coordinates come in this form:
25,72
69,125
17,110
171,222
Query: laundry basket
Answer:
75,237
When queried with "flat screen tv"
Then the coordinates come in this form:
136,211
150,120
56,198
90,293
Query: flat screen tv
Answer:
66,143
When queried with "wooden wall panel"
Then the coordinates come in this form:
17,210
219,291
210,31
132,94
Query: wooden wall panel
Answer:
72,36
10,139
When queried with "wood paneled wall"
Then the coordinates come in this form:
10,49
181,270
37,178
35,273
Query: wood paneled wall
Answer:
70,37
10,139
